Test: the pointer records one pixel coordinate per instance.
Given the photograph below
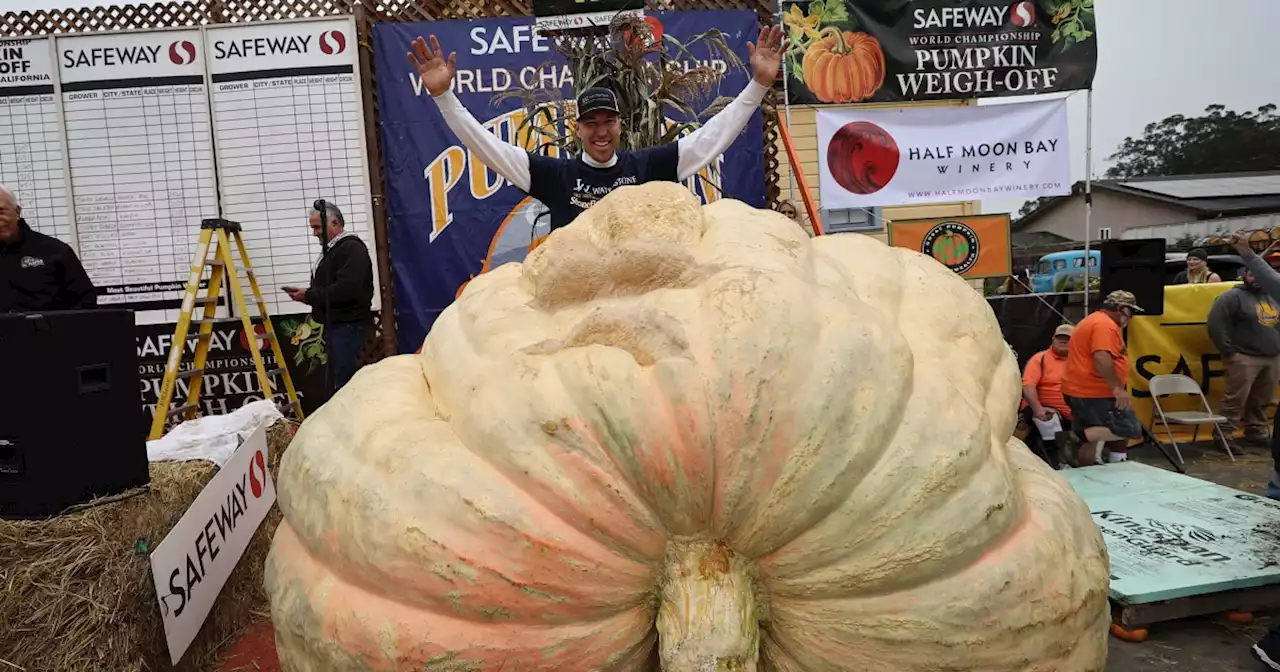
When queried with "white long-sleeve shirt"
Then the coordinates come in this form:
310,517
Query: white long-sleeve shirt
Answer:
568,186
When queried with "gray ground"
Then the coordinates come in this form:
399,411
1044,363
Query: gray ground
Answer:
1208,644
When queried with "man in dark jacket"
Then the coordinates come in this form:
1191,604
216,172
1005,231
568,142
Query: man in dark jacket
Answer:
37,272
340,295
1266,649
1242,323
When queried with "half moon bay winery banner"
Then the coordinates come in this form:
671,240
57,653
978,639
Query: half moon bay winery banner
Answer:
844,51
906,156
449,217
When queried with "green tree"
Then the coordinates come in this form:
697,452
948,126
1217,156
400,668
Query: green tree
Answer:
1031,205
1220,141
1183,244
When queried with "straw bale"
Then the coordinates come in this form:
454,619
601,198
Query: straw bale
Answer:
76,592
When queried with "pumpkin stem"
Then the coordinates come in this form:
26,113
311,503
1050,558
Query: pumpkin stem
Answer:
708,620
841,47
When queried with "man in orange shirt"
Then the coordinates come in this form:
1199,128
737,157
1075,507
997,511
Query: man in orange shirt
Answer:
1093,383
1042,390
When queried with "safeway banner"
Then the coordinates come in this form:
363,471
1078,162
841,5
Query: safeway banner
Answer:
449,217
942,154
1177,342
845,51
194,560
230,379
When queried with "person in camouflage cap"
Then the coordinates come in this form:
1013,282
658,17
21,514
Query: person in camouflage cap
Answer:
1093,382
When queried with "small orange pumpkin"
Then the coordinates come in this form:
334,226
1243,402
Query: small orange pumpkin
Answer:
844,67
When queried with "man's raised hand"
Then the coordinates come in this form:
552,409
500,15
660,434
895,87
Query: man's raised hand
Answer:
435,70
766,55
1240,241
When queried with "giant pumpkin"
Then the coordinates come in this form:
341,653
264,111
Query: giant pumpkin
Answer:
688,438
843,66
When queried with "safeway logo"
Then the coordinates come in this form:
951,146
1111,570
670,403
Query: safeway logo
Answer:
182,52
257,474
333,42
1024,14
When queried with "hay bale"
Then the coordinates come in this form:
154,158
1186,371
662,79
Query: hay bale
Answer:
76,592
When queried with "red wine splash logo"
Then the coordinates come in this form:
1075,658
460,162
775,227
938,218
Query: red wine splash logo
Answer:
862,157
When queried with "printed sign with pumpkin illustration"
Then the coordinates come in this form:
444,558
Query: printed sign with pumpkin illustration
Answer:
852,52
307,336
974,247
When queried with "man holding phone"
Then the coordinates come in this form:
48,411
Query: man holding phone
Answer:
341,293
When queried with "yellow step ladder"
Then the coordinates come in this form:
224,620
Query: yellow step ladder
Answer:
218,234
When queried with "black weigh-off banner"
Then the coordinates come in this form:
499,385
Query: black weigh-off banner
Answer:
846,51
229,382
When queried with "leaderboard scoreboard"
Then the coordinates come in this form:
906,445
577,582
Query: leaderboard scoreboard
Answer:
120,143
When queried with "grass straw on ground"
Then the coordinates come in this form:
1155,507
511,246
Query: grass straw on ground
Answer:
76,592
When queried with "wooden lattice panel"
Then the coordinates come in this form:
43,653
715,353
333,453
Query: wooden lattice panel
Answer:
111,17
242,12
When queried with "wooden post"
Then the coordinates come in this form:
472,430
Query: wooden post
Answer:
377,183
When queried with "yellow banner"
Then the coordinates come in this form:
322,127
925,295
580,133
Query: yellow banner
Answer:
1177,342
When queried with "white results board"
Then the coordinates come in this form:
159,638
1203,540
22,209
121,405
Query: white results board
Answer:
31,160
120,143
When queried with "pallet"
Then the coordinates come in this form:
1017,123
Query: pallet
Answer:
1180,546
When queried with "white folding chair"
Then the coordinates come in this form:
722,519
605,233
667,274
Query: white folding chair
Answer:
1171,384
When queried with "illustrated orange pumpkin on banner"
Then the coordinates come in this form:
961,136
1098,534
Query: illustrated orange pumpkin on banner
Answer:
974,247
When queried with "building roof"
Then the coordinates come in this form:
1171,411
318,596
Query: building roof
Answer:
1038,239
1202,196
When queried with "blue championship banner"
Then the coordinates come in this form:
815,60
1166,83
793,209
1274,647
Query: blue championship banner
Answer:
449,216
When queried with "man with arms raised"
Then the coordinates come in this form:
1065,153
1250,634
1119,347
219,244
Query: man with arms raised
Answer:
567,186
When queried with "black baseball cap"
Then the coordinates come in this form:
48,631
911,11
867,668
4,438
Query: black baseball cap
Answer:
596,99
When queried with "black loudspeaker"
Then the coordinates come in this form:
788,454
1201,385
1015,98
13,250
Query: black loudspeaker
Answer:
68,410
1136,266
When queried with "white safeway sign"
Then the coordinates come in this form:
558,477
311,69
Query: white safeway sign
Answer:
193,562
903,156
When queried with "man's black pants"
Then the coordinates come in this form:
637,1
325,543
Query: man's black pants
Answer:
1273,486
344,341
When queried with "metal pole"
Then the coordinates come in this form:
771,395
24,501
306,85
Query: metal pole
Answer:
1088,192
321,207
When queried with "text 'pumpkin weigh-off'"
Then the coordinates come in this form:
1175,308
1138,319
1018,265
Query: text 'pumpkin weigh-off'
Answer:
688,438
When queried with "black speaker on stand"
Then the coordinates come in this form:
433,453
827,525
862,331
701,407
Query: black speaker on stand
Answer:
1136,266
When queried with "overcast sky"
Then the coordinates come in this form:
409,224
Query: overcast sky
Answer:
1163,57
1156,58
